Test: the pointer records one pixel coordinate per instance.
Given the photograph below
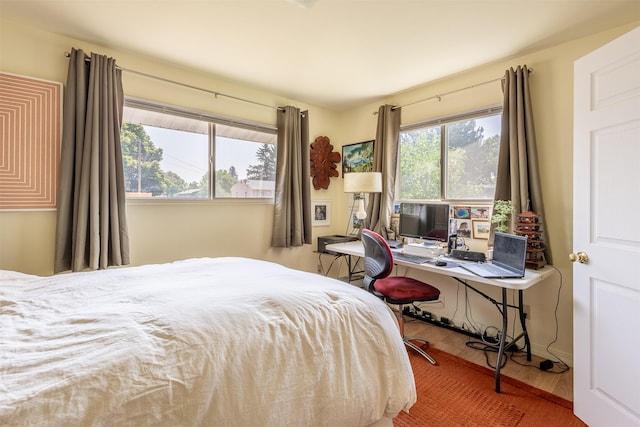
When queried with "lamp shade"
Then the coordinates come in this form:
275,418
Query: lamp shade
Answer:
363,182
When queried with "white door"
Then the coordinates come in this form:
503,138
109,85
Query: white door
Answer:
606,215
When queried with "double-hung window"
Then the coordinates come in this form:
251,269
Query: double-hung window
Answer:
452,158
174,153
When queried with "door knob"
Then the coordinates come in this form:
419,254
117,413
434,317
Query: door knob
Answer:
581,257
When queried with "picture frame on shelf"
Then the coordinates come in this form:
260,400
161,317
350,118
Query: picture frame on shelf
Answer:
320,213
481,229
357,157
480,212
462,212
462,228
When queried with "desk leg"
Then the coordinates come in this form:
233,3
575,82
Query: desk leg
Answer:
527,343
352,263
503,335
503,306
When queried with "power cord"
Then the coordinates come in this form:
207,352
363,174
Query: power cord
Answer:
557,366
487,349
555,314
491,335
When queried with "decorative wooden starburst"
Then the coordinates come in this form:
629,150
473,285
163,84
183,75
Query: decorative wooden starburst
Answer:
323,162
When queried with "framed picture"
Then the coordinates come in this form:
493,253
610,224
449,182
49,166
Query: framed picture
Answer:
480,212
462,227
462,212
481,229
30,143
357,157
321,211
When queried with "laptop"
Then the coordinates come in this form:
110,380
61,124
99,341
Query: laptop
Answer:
509,258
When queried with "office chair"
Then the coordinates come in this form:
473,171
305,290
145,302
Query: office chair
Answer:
396,290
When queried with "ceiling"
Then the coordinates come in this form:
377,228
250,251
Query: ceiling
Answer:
330,53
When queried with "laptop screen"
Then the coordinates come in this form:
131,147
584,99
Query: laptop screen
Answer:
510,251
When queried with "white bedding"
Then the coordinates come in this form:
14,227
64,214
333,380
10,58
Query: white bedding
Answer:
200,342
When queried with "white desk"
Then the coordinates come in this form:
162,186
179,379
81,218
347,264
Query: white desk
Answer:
355,249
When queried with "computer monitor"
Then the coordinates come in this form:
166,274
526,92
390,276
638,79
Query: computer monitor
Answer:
429,221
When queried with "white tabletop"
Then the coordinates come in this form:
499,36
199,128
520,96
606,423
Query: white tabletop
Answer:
531,277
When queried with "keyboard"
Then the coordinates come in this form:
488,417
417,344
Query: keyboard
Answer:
416,259
492,268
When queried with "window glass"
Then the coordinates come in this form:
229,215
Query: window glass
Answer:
450,159
419,169
173,153
245,168
472,148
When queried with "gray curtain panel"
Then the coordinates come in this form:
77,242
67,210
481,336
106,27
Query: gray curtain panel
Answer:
385,160
91,228
292,205
518,177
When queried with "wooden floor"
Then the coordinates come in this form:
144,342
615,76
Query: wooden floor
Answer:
456,343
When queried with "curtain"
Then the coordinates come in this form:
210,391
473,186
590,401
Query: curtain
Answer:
91,227
385,160
518,176
292,207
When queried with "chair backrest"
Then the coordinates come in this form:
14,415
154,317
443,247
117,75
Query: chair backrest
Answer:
378,260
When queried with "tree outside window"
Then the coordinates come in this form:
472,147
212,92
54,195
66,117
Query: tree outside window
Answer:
462,154
168,156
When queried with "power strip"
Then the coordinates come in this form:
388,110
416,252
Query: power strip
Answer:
445,323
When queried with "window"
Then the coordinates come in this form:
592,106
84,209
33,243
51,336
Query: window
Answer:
170,152
454,158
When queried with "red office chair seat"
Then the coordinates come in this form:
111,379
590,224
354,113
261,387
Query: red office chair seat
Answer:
398,290
405,290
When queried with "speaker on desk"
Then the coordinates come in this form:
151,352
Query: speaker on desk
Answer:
467,255
323,241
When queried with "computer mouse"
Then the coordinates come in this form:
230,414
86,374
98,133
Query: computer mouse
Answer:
441,263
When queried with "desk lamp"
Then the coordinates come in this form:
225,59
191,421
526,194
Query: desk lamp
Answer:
360,183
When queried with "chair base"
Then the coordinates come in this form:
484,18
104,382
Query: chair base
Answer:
420,351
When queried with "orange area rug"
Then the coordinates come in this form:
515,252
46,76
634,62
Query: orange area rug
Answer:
458,393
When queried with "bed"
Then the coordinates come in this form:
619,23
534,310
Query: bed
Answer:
200,342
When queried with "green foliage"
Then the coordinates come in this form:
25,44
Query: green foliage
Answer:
472,169
174,183
502,211
224,181
464,133
266,168
143,173
233,173
141,159
470,158
420,164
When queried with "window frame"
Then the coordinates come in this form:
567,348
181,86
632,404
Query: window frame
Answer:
211,119
442,122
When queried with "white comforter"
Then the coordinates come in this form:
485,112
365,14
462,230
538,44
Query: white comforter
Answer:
208,342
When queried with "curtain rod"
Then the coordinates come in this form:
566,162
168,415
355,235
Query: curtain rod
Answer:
215,94
439,97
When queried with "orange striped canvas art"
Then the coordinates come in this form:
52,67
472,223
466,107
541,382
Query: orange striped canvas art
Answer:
31,131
